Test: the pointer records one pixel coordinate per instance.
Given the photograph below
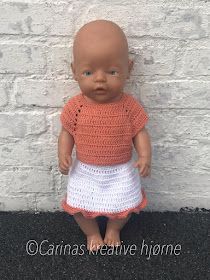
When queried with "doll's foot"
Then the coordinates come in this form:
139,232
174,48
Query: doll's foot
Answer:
94,242
112,237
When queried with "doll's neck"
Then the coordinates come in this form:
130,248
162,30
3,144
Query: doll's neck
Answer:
91,101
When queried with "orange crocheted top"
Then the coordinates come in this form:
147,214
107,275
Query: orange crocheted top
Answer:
103,132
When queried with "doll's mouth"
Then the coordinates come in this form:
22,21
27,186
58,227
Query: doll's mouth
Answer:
100,90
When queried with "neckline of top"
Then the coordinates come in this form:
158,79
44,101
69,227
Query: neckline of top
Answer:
103,104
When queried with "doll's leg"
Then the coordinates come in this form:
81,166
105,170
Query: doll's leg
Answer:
91,230
113,228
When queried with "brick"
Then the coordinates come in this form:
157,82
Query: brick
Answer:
26,181
17,203
36,18
166,202
174,94
194,62
46,93
4,92
59,62
176,182
28,153
56,125
153,61
49,202
186,155
22,59
163,3
184,127
153,20
21,125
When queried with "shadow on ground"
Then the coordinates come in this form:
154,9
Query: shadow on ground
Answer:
167,245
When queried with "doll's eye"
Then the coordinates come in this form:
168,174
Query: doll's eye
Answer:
87,73
113,72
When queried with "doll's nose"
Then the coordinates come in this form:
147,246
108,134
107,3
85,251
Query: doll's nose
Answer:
100,76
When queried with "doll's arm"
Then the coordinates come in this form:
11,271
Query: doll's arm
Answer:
142,145
65,147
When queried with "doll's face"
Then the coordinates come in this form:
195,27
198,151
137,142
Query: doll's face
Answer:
101,65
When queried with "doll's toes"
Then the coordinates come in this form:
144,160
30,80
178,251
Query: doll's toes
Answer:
106,241
94,242
112,237
109,242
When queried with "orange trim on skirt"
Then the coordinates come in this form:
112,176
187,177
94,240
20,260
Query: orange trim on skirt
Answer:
119,215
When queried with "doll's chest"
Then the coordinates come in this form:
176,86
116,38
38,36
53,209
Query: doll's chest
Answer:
111,122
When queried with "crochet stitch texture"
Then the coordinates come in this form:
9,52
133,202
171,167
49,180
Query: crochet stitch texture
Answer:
113,191
103,132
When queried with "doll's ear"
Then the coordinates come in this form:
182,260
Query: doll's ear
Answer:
130,67
73,71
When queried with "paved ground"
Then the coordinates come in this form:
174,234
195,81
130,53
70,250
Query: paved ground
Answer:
155,245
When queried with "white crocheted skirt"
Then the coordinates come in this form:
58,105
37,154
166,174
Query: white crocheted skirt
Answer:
113,191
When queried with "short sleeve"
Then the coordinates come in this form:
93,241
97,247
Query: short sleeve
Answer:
67,117
139,117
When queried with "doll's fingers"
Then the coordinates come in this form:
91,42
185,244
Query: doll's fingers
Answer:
136,164
63,168
66,166
142,174
144,171
64,172
69,161
66,162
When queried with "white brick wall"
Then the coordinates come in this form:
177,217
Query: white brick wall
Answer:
170,43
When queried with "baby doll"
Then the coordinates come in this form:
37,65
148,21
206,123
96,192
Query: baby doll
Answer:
103,122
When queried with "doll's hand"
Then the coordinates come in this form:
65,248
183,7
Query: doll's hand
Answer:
143,163
65,162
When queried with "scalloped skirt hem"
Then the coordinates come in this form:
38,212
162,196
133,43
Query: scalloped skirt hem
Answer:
118,215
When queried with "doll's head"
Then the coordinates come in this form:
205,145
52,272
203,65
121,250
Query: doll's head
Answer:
100,61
